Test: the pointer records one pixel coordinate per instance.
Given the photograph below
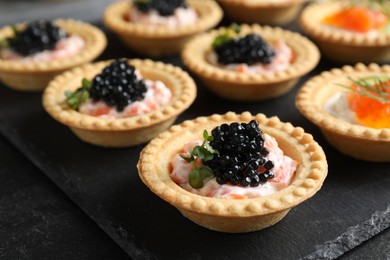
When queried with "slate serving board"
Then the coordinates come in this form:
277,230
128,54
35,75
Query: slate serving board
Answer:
104,183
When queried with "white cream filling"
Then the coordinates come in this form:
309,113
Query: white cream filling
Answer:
281,61
181,17
337,106
64,48
284,168
156,96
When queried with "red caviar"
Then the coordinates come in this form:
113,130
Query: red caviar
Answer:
357,19
371,111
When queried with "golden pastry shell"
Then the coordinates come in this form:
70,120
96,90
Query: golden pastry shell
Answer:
340,45
262,12
159,40
120,132
227,215
358,141
251,87
34,76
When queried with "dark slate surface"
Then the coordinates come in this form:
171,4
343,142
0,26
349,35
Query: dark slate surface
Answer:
376,248
39,222
15,11
354,236
105,184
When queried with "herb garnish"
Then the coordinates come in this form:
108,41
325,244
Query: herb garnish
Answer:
374,87
7,41
227,35
81,95
204,152
141,2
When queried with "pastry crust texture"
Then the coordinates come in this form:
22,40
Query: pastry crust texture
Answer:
122,132
357,141
159,40
228,215
34,76
262,12
340,45
251,87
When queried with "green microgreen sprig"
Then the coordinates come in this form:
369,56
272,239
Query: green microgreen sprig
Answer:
7,41
141,2
227,35
81,95
204,152
374,87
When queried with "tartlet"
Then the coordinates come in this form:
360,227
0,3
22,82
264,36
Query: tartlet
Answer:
158,40
251,87
121,132
262,12
34,76
229,215
355,140
343,46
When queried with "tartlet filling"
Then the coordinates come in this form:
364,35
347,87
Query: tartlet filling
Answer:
39,40
359,19
156,96
119,91
367,103
282,60
249,53
64,48
235,163
177,17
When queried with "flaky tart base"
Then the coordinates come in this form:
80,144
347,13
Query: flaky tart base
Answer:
227,215
251,87
340,45
357,141
159,40
121,132
262,12
34,76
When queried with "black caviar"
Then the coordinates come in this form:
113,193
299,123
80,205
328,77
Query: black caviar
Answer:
36,37
241,155
250,49
163,7
118,85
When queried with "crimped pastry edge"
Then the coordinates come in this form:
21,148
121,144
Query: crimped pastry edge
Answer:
315,112
308,180
310,22
306,56
209,11
184,93
95,43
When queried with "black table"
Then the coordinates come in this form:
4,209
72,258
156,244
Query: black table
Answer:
54,189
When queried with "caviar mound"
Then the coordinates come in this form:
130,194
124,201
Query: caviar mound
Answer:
357,141
118,85
35,76
36,37
241,153
160,40
163,7
235,85
120,132
249,49
233,215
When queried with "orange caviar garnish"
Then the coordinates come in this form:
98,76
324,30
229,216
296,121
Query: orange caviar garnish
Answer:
370,100
357,19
